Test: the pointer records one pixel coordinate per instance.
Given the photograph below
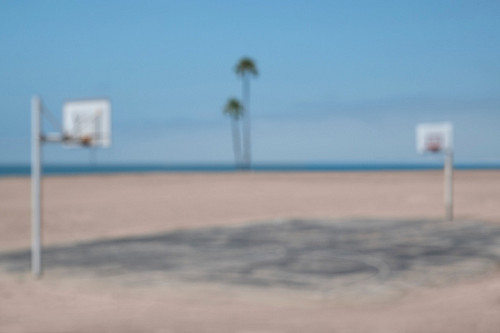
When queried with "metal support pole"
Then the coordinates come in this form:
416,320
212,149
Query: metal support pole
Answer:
36,173
448,184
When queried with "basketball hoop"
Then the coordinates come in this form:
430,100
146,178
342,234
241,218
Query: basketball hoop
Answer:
86,140
433,147
85,123
434,138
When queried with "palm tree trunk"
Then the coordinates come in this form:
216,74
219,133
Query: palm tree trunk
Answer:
247,154
236,142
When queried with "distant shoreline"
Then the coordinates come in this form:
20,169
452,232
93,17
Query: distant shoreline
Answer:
82,169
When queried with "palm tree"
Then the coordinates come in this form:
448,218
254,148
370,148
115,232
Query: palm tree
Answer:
246,68
234,110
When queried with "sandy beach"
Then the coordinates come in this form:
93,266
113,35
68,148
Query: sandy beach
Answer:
87,207
90,207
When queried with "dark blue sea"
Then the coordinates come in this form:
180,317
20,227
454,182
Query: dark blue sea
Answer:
74,169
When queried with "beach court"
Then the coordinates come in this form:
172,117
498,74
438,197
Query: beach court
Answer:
170,252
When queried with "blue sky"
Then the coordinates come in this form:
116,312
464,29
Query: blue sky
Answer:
340,81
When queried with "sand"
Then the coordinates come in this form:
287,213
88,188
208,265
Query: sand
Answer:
82,208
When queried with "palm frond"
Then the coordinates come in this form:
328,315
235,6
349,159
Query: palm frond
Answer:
233,108
246,65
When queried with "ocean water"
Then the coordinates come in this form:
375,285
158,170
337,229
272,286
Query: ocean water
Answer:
74,169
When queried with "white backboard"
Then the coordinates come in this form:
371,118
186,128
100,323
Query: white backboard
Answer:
434,137
87,122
